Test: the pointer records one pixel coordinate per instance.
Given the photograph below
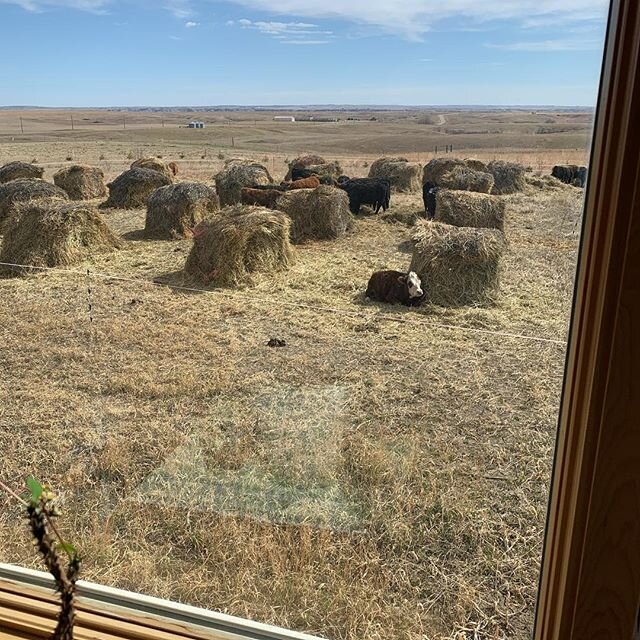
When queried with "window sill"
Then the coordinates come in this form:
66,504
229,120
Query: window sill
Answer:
28,609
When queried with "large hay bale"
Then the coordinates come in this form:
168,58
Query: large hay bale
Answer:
236,175
476,165
302,162
403,175
81,182
132,188
458,266
466,179
326,169
17,170
25,189
174,210
469,209
509,177
53,233
241,241
319,213
154,164
436,168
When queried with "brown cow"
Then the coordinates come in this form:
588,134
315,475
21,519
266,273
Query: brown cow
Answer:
396,286
260,197
174,168
304,183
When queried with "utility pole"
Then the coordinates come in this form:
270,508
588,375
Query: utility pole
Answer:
21,125
72,127
124,122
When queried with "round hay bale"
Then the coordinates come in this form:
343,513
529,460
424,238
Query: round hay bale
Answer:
25,189
236,175
459,266
509,177
469,209
17,170
466,179
154,164
302,162
53,233
403,175
326,169
174,210
476,165
436,168
81,182
319,213
132,188
229,248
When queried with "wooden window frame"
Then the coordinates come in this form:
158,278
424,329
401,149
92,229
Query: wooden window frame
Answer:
590,578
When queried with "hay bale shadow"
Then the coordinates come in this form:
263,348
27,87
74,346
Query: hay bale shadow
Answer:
136,234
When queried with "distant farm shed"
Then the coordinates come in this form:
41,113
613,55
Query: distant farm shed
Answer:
284,118
196,124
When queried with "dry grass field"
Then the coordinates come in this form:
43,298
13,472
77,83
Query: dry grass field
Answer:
384,475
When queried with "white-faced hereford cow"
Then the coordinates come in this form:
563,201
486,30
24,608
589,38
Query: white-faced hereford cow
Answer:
395,287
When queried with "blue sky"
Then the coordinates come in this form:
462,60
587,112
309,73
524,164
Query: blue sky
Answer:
205,52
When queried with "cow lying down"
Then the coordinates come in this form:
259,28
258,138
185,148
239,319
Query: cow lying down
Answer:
396,287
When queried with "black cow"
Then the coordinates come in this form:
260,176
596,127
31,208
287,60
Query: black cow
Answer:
429,193
375,192
395,287
298,173
570,174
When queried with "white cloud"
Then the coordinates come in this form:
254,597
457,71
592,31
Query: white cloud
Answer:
413,18
181,9
191,24
549,45
288,32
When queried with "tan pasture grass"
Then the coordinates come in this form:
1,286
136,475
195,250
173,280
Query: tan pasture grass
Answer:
237,174
404,176
465,179
25,189
132,188
458,266
469,209
321,213
509,177
243,240
174,210
81,182
53,233
16,170
185,448
155,164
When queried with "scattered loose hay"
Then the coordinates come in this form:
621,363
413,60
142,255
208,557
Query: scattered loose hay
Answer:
241,241
545,182
403,175
236,175
436,168
466,179
81,182
132,188
302,162
17,170
468,209
155,165
509,177
53,233
459,266
174,210
402,216
24,190
319,213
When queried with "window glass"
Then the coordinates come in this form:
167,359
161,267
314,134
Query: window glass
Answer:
229,420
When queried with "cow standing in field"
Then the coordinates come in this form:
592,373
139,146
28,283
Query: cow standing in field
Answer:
260,197
429,193
312,182
173,167
570,174
375,192
395,287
